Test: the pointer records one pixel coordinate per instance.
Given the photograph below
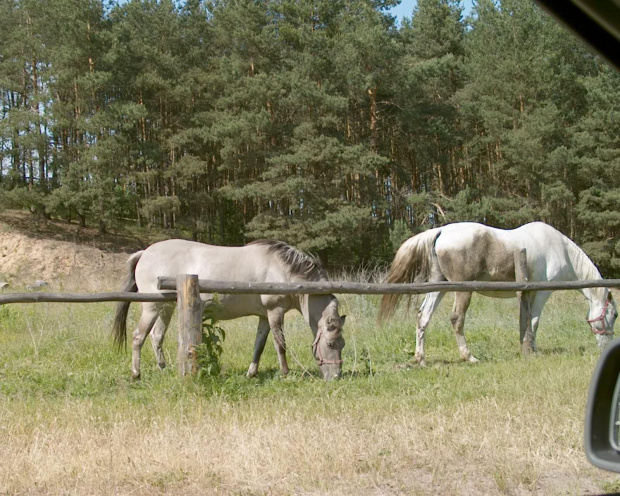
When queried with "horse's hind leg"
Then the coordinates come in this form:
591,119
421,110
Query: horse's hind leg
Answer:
276,319
259,345
429,305
149,316
158,333
538,301
461,304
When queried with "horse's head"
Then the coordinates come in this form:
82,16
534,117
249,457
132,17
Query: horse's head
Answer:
328,344
602,318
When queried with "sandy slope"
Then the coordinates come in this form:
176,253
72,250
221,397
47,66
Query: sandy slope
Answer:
60,253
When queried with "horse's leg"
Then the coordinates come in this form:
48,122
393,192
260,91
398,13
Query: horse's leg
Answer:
461,304
150,312
259,345
527,298
276,319
158,333
429,305
539,300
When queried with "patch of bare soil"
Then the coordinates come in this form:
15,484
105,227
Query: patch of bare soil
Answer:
60,253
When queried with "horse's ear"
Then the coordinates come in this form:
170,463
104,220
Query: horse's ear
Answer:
342,319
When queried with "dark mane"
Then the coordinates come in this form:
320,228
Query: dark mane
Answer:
299,263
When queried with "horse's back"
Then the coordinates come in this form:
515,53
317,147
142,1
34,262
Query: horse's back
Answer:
250,263
220,263
548,252
471,251
468,251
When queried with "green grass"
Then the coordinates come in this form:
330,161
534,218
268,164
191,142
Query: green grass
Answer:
71,421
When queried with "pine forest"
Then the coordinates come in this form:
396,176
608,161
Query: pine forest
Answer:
323,123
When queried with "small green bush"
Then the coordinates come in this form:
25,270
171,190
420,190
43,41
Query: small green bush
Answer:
208,353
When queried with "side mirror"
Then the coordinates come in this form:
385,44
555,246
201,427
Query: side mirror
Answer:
602,424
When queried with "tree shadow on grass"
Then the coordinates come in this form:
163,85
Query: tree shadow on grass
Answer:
562,350
432,363
556,350
270,374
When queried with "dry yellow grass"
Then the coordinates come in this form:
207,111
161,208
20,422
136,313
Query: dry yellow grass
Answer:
476,448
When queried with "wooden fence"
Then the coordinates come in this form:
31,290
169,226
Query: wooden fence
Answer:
190,305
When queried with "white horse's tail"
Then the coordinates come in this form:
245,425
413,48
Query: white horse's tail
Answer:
119,329
412,263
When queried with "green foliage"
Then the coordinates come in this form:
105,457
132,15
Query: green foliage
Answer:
23,198
320,123
399,234
208,352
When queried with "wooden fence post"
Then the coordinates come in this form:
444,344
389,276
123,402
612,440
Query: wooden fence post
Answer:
526,334
189,308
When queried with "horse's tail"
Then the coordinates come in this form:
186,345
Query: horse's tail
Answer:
412,263
119,329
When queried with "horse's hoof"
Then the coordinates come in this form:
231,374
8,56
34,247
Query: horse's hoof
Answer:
528,350
420,360
161,366
472,359
135,377
252,371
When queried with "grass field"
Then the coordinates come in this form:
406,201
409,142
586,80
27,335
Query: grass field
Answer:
71,422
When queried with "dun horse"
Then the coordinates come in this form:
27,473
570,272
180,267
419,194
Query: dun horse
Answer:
261,261
473,252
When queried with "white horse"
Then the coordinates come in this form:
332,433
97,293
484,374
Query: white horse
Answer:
468,251
261,261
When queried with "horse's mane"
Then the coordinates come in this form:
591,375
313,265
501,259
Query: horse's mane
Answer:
299,263
583,266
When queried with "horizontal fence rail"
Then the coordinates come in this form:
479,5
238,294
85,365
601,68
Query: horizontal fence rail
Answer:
84,298
237,287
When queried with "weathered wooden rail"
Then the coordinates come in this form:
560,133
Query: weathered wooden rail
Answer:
206,286
84,298
190,306
237,287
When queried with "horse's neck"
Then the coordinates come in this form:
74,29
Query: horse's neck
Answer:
595,296
585,269
312,308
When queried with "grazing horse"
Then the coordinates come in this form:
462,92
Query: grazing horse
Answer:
467,251
261,261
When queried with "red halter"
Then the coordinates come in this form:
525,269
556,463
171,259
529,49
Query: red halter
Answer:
603,332
317,351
